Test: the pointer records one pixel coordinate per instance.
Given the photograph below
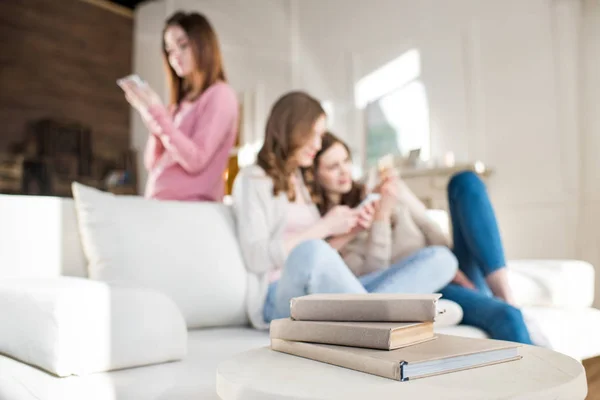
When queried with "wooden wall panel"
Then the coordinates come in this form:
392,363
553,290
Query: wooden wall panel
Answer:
60,59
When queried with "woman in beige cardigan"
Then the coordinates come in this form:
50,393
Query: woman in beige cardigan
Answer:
401,227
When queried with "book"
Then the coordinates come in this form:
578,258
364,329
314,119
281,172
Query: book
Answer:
374,335
443,355
368,307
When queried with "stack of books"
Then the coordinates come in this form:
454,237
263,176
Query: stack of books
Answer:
388,335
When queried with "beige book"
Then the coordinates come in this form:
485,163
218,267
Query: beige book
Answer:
444,355
369,307
373,335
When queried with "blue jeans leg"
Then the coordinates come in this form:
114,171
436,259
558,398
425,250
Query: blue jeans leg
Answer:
499,319
311,267
425,271
477,241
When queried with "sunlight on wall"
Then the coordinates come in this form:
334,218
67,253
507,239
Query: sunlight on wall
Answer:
408,112
329,110
388,78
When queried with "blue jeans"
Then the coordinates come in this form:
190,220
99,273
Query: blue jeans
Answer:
478,248
315,267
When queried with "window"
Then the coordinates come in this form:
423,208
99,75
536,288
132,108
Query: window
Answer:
396,109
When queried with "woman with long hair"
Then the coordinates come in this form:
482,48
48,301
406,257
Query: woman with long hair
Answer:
190,140
401,226
288,247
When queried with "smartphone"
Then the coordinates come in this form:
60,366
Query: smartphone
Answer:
134,78
371,197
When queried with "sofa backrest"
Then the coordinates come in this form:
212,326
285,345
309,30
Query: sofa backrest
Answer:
39,238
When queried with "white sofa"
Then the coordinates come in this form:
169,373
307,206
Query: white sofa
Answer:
39,239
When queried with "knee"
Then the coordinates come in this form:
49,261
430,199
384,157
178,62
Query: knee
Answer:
440,264
446,263
313,248
465,180
310,255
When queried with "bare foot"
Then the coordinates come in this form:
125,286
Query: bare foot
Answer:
498,283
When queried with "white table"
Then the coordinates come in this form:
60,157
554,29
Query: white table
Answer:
263,374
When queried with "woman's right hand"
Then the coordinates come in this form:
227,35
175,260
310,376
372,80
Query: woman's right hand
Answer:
340,220
142,98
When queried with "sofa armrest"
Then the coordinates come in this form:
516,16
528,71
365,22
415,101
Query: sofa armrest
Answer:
555,283
74,326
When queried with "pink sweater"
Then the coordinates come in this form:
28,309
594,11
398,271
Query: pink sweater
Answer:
187,157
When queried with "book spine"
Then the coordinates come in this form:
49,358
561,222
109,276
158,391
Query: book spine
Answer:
308,331
364,311
339,357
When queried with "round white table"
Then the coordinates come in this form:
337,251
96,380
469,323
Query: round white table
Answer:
264,374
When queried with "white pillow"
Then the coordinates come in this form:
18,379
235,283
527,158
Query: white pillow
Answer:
187,250
450,314
75,326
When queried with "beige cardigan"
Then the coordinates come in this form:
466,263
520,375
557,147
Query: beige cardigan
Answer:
384,245
261,219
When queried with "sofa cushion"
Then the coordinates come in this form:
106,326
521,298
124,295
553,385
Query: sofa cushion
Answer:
552,283
449,314
74,326
571,331
187,250
191,378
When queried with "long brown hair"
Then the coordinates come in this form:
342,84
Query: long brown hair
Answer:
350,199
206,51
288,128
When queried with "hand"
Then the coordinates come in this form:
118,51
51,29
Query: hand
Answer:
462,280
390,195
151,124
142,98
340,220
365,217
388,173
384,176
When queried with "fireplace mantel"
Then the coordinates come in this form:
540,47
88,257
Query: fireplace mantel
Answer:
430,184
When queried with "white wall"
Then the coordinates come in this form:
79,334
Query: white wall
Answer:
513,83
147,62
255,41
589,228
503,81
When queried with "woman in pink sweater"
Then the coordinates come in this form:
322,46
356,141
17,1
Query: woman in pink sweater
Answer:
190,140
